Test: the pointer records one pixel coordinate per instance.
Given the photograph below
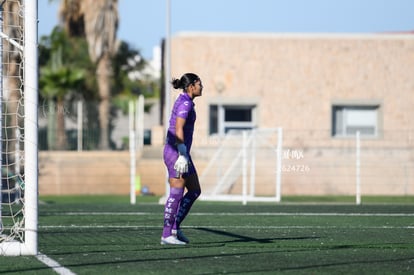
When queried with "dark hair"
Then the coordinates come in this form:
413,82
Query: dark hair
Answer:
186,80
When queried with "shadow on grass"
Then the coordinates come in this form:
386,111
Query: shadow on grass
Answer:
242,238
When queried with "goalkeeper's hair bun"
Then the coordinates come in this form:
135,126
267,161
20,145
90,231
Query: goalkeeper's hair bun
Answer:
186,80
177,84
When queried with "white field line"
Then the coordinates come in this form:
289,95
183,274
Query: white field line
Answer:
91,226
239,214
54,265
234,214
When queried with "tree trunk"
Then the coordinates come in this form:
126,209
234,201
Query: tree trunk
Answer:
51,125
11,67
60,126
13,105
103,75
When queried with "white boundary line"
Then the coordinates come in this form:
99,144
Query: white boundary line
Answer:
238,214
54,265
229,227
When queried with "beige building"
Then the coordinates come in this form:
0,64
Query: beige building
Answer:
320,89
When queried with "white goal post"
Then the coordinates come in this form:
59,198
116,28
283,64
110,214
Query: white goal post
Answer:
19,128
241,167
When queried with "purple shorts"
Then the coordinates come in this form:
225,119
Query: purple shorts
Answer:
170,156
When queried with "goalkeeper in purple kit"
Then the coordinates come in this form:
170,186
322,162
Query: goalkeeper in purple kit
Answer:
181,171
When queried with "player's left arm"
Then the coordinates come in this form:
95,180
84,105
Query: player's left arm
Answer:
179,130
181,164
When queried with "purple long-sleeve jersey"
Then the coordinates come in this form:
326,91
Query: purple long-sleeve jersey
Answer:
184,108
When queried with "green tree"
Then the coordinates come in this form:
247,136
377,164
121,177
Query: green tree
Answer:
97,21
58,79
130,79
125,62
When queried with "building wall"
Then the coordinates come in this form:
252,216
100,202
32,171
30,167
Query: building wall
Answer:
97,173
295,79
89,172
100,172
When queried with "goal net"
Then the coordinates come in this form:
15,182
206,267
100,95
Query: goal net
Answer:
18,95
241,167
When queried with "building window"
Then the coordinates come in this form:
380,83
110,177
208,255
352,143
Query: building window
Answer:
224,118
348,119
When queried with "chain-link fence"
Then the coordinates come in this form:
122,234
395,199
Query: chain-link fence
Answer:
75,126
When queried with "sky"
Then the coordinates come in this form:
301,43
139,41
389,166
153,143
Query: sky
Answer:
143,22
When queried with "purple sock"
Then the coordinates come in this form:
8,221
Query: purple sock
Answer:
185,207
170,210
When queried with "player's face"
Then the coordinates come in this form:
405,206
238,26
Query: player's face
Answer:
198,88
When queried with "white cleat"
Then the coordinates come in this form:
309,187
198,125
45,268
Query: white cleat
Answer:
171,240
180,235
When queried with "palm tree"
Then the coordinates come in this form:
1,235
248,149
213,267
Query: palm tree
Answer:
98,21
101,24
57,80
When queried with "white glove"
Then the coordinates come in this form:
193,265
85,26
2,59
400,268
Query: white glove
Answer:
181,165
